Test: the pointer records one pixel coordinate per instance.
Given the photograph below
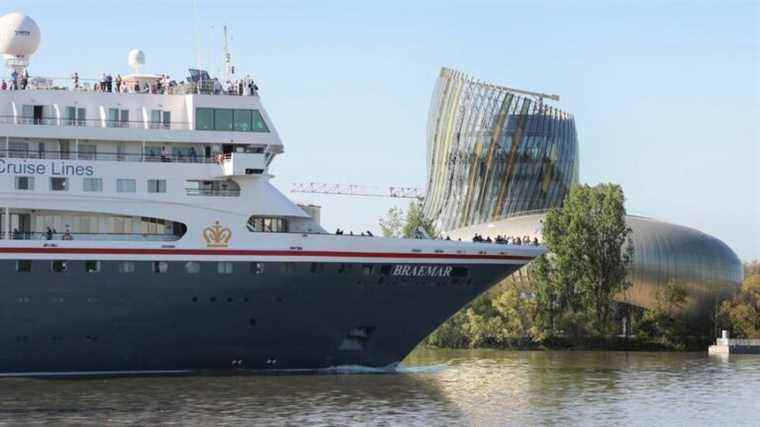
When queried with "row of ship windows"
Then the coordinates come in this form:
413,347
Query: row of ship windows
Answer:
94,185
221,188
223,267
227,119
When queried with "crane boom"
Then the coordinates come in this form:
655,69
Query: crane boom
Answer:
358,190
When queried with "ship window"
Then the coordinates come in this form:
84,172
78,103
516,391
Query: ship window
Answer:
367,269
92,184
213,188
259,125
87,151
156,186
242,120
24,266
126,185
223,119
224,267
160,267
127,267
267,224
24,183
317,267
192,267
226,119
59,266
92,266
257,268
74,116
160,119
204,119
287,267
59,184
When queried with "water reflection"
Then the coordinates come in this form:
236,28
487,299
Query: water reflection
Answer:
473,387
600,388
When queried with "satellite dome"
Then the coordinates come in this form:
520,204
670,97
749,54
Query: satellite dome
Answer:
19,35
136,59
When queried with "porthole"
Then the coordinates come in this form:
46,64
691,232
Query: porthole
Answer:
160,267
192,267
92,266
24,266
127,267
59,266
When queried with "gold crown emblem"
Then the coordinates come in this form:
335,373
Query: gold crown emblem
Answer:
217,236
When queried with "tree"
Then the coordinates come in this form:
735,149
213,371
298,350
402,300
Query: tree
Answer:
743,311
393,222
400,224
591,251
664,321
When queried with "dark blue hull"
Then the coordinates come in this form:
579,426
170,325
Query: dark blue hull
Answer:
288,316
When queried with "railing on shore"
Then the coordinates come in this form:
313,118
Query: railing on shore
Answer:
130,237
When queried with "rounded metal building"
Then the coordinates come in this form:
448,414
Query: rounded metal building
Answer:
663,252
497,158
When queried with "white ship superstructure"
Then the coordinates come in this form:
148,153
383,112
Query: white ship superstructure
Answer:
139,227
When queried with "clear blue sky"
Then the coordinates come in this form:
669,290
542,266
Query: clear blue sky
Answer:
665,94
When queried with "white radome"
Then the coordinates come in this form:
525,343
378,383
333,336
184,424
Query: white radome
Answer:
19,35
136,58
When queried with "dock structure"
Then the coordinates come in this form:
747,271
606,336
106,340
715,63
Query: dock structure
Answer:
726,345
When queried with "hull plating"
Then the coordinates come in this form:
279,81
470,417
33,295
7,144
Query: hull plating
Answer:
291,316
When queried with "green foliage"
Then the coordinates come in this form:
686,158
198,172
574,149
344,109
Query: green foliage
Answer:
591,252
400,224
498,318
752,268
664,322
393,222
742,314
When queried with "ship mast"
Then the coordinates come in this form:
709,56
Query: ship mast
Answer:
229,69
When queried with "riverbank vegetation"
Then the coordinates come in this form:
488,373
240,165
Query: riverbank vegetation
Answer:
741,314
566,299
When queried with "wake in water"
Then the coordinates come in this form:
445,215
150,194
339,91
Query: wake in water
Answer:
396,368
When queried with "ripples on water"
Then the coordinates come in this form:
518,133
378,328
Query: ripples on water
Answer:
432,388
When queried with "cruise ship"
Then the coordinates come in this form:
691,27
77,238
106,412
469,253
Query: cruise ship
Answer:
141,233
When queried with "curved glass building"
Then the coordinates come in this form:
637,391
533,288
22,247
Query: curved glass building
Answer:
492,153
496,160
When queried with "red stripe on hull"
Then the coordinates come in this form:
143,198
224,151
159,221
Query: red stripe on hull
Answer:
240,252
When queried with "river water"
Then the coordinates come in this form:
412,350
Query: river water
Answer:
432,388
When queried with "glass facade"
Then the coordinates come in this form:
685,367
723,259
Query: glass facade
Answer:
492,153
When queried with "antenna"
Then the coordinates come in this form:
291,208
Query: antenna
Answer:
197,36
229,69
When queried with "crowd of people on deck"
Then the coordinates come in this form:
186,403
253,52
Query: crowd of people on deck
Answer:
18,81
49,234
507,240
115,83
367,233
502,240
